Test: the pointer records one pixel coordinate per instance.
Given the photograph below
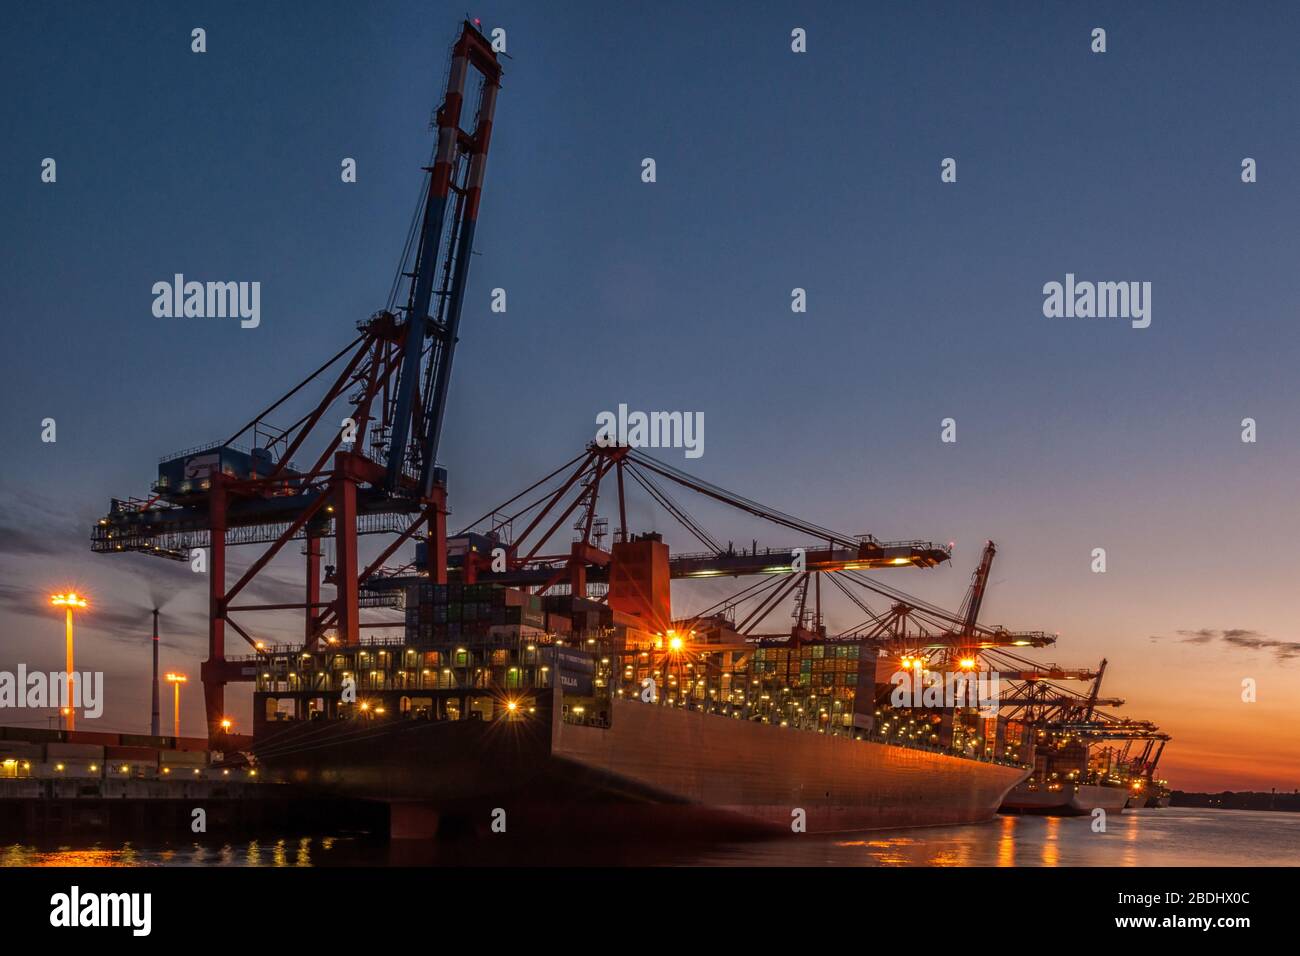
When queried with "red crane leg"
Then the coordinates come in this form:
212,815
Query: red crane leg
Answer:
212,670
313,585
347,604
578,571
436,543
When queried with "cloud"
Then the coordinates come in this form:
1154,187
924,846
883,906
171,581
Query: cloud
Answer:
45,546
29,528
20,600
1242,638
1285,650
1249,639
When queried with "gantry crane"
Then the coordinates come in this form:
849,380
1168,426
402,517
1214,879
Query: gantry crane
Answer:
918,629
527,558
377,474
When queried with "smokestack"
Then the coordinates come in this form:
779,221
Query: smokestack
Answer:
153,720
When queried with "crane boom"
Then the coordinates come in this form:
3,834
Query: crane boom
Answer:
460,162
1096,691
975,597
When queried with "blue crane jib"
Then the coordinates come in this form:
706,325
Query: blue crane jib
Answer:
455,179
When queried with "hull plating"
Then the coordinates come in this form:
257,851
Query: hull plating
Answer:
670,764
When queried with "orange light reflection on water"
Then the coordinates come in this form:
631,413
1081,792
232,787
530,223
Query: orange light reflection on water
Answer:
1132,833
291,851
95,856
910,851
1051,847
885,852
1007,841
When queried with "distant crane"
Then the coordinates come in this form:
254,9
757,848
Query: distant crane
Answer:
970,608
1096,691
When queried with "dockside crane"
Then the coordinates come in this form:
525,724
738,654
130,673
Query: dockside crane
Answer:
533,562
429,339
1043,703
1095,693
974,600
918,629
376,475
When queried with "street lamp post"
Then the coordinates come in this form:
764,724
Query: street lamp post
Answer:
68,602
176,680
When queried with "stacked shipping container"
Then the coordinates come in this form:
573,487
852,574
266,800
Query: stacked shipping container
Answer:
473,613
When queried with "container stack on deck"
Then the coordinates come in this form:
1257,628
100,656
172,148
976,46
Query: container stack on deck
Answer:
472,612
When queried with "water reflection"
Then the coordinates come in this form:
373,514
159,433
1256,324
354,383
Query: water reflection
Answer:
1051,855
1006,841
1132,840
1164,837
282,852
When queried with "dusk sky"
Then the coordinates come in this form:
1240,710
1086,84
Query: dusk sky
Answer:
775,171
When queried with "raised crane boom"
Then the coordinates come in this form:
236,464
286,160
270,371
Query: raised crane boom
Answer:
460,162
970,609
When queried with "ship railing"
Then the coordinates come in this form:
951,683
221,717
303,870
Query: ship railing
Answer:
208,446
457,679
730,711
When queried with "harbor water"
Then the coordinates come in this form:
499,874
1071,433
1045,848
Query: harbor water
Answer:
1157,837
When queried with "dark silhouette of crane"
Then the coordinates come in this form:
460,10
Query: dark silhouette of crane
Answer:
378,473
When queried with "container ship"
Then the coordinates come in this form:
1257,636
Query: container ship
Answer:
1095,762
560,709
1065,798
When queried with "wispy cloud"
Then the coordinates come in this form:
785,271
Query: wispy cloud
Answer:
36,536
1241,638
1203,636
30,528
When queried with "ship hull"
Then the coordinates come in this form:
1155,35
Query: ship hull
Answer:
1071,800
675,768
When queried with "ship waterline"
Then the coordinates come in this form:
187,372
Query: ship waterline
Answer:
681,767
1070,799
